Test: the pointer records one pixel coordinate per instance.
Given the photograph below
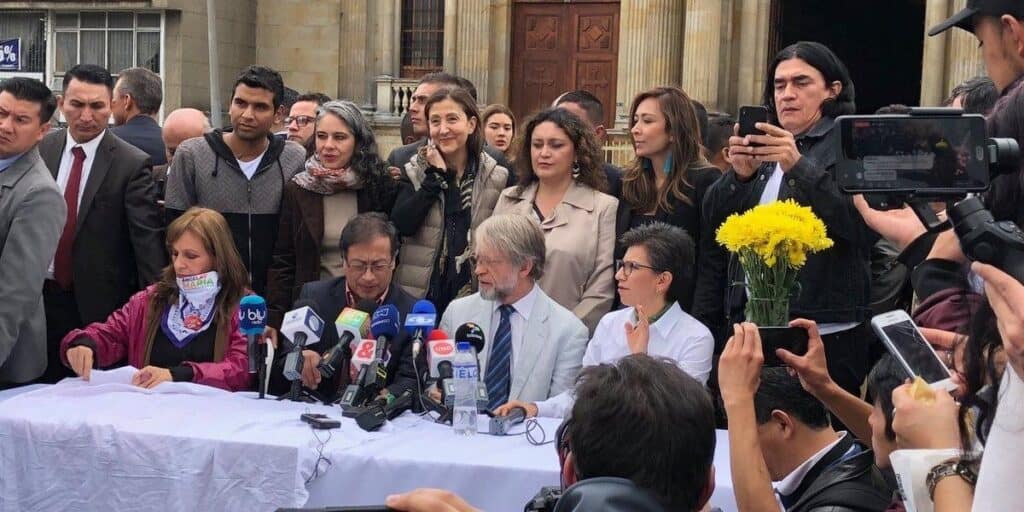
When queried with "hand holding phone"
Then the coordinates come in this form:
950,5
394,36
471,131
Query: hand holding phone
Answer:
810,365
909,346
749,117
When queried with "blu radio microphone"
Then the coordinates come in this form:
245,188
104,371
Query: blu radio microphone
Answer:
252,319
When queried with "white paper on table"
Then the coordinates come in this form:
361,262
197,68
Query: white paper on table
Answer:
122,375
911,468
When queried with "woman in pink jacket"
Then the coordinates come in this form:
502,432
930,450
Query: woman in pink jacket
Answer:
183,328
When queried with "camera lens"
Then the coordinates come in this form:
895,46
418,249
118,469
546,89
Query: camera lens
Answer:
968,215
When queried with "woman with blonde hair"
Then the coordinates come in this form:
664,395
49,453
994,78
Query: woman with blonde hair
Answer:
183,328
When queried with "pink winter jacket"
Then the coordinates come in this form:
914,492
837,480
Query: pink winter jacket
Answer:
123,336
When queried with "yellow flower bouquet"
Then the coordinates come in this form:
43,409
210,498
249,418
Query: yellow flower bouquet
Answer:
772,242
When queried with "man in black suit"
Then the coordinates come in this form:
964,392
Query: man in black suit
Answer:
136,101
369,245
112,244
429,84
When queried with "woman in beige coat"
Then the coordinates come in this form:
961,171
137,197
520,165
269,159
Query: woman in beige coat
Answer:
561,186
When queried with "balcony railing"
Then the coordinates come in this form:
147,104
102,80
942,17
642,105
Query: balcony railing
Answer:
393,97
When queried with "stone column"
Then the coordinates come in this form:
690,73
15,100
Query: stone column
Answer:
451,18
753,54
701,51
474,40
353,54
933,59
963,56
650,49
500,59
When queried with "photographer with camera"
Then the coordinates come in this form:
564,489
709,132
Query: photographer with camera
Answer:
779,432
807,87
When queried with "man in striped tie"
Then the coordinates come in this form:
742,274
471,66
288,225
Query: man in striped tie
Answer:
534,346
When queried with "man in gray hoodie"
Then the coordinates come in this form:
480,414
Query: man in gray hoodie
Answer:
241,173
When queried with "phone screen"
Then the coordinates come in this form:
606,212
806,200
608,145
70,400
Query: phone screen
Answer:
908,153
915,351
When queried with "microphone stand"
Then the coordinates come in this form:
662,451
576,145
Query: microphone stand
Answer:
261,369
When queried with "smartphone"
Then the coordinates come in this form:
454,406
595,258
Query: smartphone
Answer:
320,421
923,154
749,116
906,343
793,339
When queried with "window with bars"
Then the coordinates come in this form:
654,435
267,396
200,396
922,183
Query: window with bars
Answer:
422,44
30,28
114,40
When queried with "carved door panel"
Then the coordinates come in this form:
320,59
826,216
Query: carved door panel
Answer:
558,47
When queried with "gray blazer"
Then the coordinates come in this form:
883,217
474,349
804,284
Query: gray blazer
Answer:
32,214
553,345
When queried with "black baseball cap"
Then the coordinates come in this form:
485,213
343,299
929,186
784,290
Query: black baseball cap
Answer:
965,18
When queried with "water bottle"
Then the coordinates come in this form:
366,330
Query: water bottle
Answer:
464,371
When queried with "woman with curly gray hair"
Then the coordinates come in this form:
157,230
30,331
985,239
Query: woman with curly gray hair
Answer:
343,178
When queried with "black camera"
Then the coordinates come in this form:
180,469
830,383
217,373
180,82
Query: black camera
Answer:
545,500
934,154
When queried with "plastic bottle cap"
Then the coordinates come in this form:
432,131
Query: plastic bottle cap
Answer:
462,346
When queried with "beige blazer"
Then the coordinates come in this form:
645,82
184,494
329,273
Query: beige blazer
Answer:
580,238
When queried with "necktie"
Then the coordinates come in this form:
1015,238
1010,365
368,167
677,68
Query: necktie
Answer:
63,267
498,363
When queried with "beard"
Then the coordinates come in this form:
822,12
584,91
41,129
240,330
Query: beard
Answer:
499,291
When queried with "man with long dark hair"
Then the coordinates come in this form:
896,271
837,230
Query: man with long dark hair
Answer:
807,88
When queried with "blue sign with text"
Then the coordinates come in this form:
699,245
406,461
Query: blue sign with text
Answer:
10,55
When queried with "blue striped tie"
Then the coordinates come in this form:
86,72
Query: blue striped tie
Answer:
498,363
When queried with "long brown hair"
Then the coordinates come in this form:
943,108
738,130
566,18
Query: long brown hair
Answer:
212,230
639,186
588,156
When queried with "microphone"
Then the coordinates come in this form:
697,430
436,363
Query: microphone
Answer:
252,319
471,333
372,418
384,328
500,425
304,327
351,324
419,322
440,355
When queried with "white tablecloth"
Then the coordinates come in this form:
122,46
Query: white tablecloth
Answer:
78,446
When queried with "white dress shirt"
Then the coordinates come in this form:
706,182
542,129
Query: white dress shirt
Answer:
67,159
517,320
676,336
792,481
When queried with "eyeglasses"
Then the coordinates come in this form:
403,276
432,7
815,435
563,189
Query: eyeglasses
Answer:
486,262
377,267
302,121
627,267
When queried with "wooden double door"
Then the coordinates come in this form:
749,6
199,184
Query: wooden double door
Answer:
559,46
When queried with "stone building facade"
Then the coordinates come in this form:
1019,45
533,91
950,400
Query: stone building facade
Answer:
517,52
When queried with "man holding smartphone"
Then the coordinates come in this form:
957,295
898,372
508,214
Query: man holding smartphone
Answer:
794,159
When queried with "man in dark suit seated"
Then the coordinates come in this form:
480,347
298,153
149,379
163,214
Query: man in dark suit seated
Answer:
369,245
136,101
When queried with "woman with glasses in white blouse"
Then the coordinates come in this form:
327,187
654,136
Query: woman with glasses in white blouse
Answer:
651,278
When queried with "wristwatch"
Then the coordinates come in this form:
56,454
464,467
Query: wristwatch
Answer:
965,469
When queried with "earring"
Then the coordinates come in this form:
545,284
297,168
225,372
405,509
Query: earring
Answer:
575,170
